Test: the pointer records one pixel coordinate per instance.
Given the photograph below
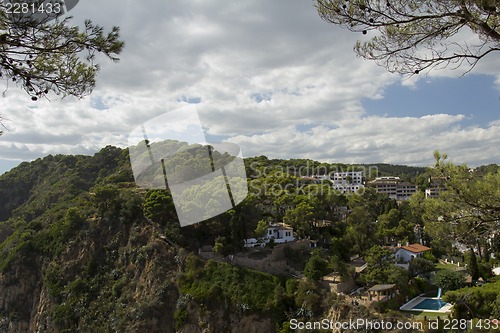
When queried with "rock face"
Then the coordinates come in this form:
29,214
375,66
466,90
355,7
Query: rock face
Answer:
138,293
135,292
217,321
19,292
69,262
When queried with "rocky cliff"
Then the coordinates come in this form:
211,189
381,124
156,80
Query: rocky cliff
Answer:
77,254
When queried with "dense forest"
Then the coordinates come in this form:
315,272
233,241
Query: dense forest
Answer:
83,248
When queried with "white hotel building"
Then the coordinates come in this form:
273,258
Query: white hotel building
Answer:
350,181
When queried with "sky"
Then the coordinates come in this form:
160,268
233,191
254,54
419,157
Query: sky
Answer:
270,76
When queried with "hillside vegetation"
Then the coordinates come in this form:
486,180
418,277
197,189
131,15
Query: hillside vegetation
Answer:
83,249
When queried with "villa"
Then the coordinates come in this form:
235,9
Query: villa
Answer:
405,254
279,233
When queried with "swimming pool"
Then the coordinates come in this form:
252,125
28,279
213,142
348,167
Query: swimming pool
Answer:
427,304
430,304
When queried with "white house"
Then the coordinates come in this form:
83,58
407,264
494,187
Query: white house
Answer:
279,232
405,254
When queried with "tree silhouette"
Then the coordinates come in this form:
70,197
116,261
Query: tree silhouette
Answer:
412,36
47,54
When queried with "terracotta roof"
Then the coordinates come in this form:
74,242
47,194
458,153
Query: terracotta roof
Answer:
416,248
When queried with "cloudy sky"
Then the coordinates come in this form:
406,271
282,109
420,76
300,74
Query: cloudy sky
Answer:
270,76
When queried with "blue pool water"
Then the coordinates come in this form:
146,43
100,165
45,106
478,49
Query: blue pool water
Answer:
430,304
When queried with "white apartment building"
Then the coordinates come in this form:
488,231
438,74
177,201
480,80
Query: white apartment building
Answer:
394,187
432,192
405,190
386,185
349,181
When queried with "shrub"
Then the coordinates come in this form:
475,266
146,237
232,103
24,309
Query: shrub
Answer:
447,280
180,316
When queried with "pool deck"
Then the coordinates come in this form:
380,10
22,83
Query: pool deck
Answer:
409,306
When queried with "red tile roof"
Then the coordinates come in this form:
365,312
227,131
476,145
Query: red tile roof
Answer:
416,248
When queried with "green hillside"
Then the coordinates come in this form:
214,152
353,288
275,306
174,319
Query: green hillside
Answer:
83,249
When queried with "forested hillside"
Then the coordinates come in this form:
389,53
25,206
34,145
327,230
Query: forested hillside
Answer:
82,248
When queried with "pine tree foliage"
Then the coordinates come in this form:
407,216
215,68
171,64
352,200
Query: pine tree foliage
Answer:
409,37
47,54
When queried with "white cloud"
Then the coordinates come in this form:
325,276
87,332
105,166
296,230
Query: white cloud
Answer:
405,140
260,71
